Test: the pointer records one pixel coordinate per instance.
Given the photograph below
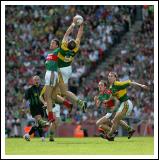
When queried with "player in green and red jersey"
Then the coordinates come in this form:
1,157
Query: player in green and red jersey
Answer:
104,124
68,50
119,91
51,76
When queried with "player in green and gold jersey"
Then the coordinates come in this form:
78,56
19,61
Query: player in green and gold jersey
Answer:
104,124
119,91
68,51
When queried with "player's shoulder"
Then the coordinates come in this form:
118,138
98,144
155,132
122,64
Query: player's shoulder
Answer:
56,50
117,83
64,43
108,91
30,88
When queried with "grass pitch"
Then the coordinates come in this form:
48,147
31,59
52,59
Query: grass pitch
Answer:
80,146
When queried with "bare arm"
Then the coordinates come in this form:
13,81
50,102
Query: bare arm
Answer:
140,85
79,34
42,100
69,30
97,102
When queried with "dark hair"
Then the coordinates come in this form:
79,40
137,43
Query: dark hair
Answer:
57,42
71,44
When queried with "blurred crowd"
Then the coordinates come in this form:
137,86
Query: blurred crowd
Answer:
29,30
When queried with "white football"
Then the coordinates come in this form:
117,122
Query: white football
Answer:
79,19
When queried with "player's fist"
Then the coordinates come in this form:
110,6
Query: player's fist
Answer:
51,117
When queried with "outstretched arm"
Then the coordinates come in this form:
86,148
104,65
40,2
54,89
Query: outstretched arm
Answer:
79,34
69,30
140,85
41,97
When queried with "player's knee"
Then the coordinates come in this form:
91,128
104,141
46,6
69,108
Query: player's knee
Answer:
98,123
100,126
114,121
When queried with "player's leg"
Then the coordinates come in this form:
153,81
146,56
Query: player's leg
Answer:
52,131
64,75
124,110
130,130
127,128
41,133
56,123
56,96
63,84
76,100
65,102
36,113
40,121
50,82
103,124
27,135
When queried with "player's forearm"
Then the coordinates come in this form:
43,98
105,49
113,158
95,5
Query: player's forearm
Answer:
80,33
140,85
42,100
97,102
136,84
69,30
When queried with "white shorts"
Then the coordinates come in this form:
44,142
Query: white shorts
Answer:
48,81
66,73
108,115
130,107
56,110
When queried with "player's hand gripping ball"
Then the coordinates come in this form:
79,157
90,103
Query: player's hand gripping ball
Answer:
78,20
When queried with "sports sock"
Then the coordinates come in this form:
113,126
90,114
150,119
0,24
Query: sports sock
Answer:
32,130
80,102
67,103
41,122
40,130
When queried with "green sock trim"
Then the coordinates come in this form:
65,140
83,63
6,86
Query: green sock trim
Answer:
51,133
80,103
41,122
129,128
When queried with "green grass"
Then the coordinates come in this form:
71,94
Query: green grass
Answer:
80,146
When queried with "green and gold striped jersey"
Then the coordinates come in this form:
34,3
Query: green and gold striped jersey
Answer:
119,90
66,56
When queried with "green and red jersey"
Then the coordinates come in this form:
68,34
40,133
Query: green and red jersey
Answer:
51,60
105,95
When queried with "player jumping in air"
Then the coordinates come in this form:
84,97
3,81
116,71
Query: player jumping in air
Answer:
57,99
68,50
51,76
